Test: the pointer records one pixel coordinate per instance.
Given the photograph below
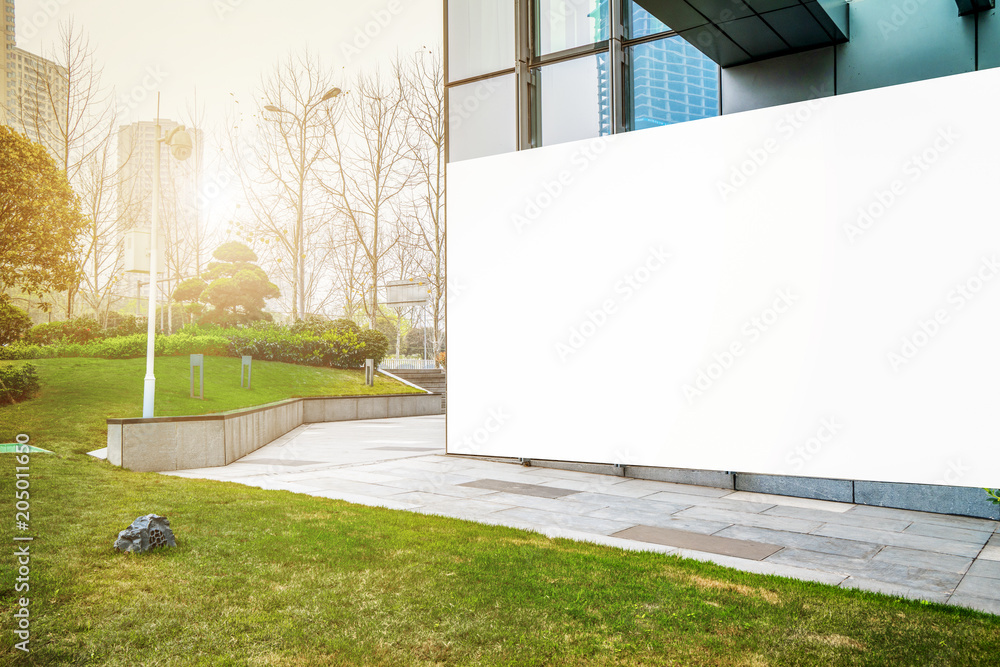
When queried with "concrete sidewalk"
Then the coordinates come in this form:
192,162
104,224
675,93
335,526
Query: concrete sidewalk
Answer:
400,464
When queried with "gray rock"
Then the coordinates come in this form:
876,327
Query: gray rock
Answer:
146,533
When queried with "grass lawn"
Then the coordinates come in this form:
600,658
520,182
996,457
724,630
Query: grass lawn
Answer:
275,578
82,391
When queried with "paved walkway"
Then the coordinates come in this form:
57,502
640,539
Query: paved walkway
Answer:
400,464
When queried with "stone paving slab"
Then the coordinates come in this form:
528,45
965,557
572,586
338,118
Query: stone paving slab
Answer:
520,488
577,522
990,553
953,533
276,462
926,559
926,517
890,588
750,519
986,568
901,552
989,605
840,518
765,567
708,502
622,489
805,541
890,538
983,587
683,539
434,486
626,504
923,579
790,501
660,519
558,505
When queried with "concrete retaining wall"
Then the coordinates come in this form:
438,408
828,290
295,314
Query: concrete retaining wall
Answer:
175,443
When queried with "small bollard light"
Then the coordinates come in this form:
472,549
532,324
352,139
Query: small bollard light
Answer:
370,372
199,361
248,366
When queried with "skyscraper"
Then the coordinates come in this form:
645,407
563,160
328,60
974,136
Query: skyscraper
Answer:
33,90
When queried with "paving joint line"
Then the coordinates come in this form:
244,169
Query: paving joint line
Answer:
337,466
966,573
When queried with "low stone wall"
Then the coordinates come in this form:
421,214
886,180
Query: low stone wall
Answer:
160,444
939,499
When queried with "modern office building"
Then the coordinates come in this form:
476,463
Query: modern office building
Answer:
750,242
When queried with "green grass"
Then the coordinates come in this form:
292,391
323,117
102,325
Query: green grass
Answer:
275,578
81,391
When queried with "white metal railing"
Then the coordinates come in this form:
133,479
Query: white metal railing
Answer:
406,364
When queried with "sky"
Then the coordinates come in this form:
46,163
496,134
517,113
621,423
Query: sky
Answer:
221,48
224,46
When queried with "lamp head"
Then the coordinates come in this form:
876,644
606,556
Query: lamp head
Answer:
180,143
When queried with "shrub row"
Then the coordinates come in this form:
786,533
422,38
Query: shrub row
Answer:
17,383
339,347
84,330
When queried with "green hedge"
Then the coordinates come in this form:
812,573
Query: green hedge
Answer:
17,383
338,346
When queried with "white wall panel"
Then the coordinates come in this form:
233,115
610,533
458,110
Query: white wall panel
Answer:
542,245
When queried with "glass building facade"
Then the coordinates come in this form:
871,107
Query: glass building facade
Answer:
528,73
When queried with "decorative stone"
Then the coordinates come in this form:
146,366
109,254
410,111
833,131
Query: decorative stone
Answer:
146,533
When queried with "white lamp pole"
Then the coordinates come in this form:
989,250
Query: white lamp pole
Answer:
180,142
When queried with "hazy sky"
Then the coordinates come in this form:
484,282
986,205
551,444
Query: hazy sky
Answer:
223,46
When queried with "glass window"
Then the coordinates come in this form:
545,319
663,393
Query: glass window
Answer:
565,24
639,22
572,100
481,118
670,82
480,37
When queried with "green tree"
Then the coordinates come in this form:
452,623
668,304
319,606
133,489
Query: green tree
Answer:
40,219
238,287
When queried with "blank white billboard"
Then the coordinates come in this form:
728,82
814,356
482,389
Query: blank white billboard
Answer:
812,289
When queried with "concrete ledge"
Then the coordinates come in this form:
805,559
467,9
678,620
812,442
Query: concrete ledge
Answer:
958,500
927,498
594,468
714,478
160,444
837,490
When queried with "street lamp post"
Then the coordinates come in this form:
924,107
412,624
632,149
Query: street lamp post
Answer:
298,249
180,143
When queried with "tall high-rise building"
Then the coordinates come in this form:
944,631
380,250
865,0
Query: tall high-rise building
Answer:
36,97
33,90
136,142
5,60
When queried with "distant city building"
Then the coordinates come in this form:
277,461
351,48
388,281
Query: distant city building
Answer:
5,60
135,156
32,90
36,92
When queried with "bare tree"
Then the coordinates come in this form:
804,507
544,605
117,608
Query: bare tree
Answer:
423,78
275,148
374,164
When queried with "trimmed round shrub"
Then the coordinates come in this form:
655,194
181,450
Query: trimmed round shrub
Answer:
375,345
18,383
14,323
45,333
